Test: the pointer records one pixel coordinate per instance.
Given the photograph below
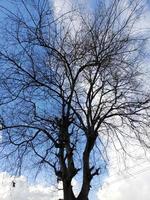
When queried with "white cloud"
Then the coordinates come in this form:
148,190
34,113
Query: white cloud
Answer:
68,13
142,26
24,191
61,7
128,188
129,177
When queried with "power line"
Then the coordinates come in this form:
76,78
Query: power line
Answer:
133,175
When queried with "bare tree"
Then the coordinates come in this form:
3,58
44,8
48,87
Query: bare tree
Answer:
67,95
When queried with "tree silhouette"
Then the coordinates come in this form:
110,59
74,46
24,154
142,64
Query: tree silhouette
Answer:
68,94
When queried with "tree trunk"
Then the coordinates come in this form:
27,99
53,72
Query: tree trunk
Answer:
87,176
68,193
82,198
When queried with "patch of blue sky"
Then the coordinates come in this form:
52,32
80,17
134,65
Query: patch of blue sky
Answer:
50,106
92,3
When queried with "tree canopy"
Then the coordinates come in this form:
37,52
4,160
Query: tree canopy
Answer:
71,88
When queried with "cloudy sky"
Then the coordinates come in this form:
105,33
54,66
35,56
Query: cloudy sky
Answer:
125,181
24,191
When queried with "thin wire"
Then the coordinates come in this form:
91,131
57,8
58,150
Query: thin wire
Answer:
131,176
127,169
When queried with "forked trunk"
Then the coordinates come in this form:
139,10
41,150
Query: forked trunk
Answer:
69,195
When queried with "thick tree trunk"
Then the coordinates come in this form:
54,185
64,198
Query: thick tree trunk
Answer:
87,175
68,193
84,197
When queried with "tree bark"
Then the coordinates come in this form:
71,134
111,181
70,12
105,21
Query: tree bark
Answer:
87,176
68,193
